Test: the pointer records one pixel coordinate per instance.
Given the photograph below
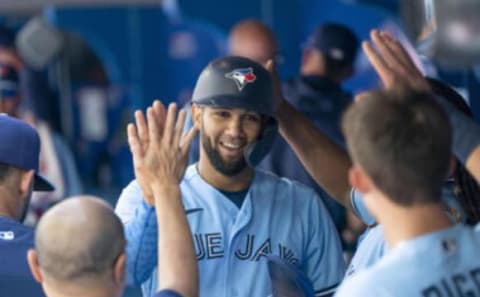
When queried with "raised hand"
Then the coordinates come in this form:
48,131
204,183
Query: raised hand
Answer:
392,62
159,147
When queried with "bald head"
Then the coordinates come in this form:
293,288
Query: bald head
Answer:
79,240
253,40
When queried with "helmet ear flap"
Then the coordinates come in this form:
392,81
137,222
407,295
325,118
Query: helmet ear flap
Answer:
256,151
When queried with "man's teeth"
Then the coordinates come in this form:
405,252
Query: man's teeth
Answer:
232,146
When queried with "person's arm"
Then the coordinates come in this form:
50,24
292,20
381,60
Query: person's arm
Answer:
160,159
325,161
393,64
473,163
466,138
138,218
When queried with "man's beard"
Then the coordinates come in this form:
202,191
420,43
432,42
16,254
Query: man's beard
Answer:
228,169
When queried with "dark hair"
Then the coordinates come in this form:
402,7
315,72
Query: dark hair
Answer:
402,139
466,188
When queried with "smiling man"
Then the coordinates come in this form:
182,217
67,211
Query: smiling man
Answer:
238,215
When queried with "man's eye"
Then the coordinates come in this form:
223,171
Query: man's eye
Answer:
222,114
252,118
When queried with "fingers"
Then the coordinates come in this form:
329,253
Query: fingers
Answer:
133,141
382,69
160,126
387,53
160,113
399,52
187,140
169,124
153,129
141,127
182,115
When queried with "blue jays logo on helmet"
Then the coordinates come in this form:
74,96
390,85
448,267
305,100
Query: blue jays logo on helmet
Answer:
242,77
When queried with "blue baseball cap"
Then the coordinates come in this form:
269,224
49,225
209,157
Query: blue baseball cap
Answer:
20,148
335,41
9,83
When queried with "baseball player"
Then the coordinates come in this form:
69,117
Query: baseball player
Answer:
459,196
91,238
401,156
238,215
19,176
317,152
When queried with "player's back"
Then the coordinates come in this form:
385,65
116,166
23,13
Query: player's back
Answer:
443,263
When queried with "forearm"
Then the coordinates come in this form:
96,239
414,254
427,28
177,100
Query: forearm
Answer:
140,228
177,265
473,164
324,160
466,138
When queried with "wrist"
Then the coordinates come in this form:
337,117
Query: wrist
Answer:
165,188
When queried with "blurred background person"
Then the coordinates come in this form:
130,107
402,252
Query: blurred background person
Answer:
56,159
19,168
327,61
254,40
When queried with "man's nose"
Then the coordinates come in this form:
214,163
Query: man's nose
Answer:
235,127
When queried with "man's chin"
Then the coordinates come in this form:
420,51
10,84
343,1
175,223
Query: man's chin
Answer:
230,168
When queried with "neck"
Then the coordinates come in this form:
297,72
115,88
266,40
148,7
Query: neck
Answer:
404,223
9,206
310,71
57,290
238,182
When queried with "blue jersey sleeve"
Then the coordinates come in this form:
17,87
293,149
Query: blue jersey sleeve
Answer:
167,293
324,259
141,233
358,206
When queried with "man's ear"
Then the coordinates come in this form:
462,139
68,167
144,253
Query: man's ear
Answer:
306,56
32,260
119,269
26,182
359,180
196,115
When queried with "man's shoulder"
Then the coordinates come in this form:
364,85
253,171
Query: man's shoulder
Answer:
376,280
13,232
283,187
268,177
361,284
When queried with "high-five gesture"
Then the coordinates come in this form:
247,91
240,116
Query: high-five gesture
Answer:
159,147
160,155
392,62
